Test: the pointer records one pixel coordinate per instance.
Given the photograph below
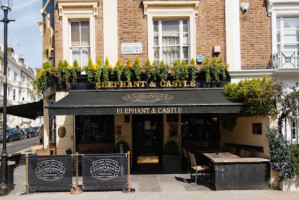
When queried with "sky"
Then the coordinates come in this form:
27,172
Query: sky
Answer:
24,34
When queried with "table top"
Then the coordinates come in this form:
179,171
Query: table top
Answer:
226,157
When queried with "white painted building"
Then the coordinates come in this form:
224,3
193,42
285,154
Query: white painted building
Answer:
19,87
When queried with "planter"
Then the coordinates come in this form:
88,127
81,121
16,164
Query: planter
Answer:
290,184
172,163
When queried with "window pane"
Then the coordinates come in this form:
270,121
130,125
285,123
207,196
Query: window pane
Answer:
185,26
76,55
291,22
156,26
170,26
156,39
169,54
185,39
84,33
85,56
170,39
185,54
278,23
156,53
291,36
278,36
75,35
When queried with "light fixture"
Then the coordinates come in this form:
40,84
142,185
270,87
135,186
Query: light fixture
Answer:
244,7
6,4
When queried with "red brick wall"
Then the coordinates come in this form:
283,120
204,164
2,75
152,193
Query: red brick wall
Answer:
99,34
255,34
210,28
58,46
132,27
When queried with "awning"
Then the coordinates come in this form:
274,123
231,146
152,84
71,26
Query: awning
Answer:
144,102
29,110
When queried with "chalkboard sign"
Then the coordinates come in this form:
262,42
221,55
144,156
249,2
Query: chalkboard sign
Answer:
50,173
105,172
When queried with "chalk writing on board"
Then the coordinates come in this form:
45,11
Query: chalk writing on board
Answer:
50,170
104,169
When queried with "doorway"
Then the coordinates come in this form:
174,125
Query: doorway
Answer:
147,141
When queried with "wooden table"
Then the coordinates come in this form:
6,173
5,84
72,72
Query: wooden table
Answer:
234,173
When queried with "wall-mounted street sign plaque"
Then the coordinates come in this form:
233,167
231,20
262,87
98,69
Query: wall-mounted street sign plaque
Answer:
131,48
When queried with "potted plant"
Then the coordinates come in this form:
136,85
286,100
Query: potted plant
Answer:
171,157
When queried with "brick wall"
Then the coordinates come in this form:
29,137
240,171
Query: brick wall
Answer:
58,46
210,28
132,27
255,35
99,34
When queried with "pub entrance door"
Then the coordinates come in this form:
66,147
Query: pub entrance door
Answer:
147,141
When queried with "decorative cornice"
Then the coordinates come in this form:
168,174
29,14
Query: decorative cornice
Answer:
276,2
78,4
157,3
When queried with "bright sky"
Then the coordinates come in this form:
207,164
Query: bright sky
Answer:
24,34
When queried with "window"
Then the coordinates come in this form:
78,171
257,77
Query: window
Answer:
287,34
24,79
171,41
293,130
257,128
14,94
80,42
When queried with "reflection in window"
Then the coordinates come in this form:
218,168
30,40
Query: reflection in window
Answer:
200,127
95,128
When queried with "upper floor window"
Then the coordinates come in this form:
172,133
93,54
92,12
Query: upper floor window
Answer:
24,79
80,42
287,34
171,41
15,76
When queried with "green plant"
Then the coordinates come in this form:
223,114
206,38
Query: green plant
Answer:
184,75
171,148
222,68
215,70
89,69
163,72
127,71
155,70
147,68
125,146
177,70
228,121
74,71
137,68
206,69
97,71
106,72
40,81
119,70
258,95
193,70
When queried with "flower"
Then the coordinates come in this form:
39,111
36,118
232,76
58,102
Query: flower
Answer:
69,67
110,67
94,67
130,65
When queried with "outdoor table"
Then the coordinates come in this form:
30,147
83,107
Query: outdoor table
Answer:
234,173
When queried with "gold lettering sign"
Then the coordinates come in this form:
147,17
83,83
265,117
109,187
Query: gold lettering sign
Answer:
143,84
158,110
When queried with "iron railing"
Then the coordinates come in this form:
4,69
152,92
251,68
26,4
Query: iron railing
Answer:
285,59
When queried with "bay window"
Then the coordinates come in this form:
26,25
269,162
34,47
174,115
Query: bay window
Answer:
80,42
171,40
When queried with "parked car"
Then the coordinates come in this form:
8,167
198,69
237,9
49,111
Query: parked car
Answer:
36,130
29,132
12,134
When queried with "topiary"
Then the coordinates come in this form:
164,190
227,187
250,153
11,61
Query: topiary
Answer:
125,145
171,148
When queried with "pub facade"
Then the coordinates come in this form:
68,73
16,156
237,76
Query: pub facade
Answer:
146,113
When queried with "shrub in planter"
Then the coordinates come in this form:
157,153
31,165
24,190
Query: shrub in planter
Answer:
171,158
125,147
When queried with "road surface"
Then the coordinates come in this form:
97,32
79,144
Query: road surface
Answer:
18,145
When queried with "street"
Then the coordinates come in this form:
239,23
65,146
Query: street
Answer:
18,145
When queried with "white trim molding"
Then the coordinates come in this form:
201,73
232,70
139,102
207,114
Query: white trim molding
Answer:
77,10
172,9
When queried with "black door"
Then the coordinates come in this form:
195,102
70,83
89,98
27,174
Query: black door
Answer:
147,136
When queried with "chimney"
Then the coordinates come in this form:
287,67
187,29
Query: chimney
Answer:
21,60
10,50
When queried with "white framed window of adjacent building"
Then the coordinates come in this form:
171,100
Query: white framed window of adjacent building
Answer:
171,29
79,42
24,78
15,76
171,40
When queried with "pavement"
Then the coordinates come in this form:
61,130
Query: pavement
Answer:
149,187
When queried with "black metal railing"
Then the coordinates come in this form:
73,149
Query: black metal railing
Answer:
285,59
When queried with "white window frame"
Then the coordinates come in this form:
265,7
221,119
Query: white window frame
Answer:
181,45
73,11
80,46
171,10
